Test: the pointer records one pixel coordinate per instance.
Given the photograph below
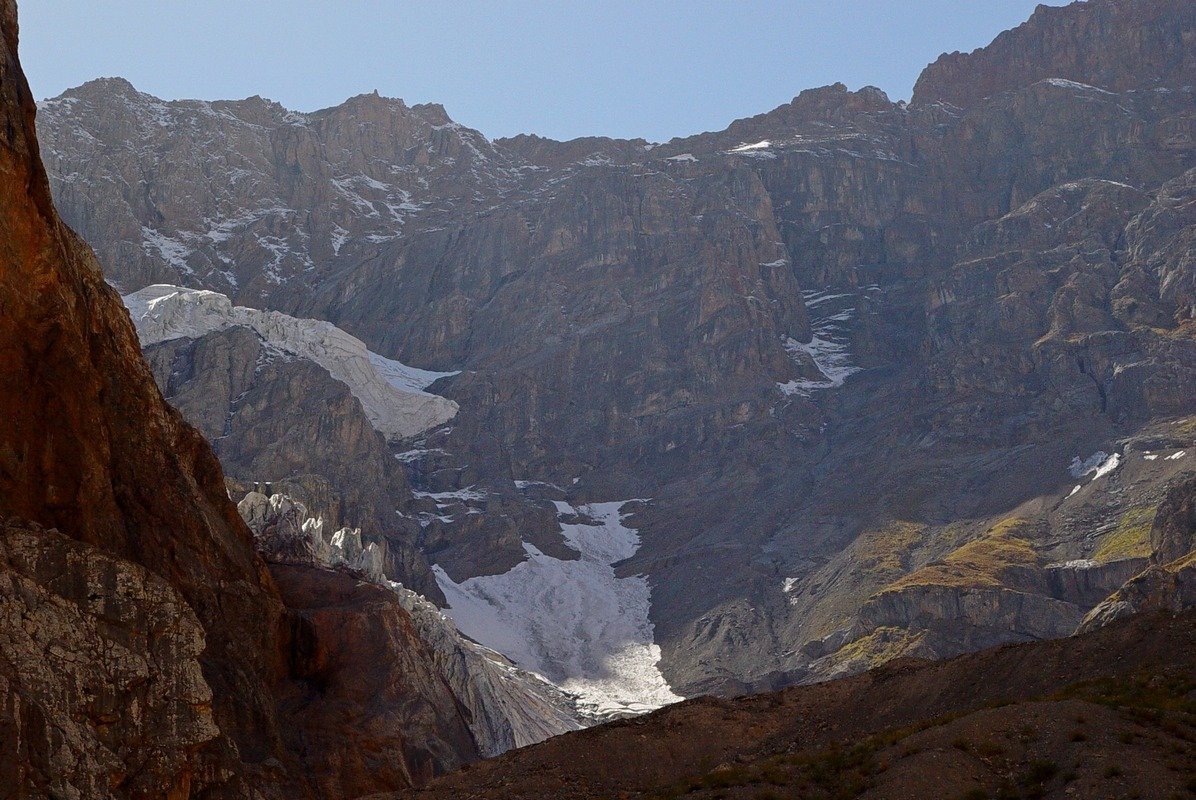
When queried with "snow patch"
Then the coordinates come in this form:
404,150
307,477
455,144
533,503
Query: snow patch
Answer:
1098,465
1177,456
1063,83
390,392
574,622
468,493
171,250
829,347
743,148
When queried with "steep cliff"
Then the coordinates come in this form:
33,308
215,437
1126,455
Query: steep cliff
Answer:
836,345
145,649
505,707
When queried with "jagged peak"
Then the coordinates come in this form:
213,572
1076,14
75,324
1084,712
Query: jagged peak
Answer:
1108,44
838,95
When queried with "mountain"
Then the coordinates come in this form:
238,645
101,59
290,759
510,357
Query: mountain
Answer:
882,379
146,648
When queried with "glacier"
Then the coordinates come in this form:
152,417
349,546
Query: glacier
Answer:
508,707
575,622
391,393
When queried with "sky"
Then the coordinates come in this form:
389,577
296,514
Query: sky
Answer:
628,68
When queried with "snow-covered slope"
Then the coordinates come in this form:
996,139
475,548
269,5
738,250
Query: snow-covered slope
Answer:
390,392
574,622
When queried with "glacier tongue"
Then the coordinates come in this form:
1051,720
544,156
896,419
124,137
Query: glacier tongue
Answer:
574,622
391,393
508,707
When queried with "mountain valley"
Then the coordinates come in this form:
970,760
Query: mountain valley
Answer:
366,449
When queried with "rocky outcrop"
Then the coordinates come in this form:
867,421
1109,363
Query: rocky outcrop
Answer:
283,421
285,534
1156,287
366,705
1169,582
1173,533
88,447
1085,582
103,691
1170,587
1110,44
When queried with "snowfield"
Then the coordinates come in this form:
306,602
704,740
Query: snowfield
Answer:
391,393
574,622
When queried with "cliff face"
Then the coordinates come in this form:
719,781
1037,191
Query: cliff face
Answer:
104,693
90,448
849,348
287,422
147,651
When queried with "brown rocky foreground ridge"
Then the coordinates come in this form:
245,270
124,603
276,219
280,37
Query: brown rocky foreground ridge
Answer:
1104,715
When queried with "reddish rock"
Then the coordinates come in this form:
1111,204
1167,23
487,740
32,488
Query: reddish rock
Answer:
149,603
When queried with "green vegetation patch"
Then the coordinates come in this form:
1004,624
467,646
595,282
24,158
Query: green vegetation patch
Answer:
880,646
1131,537
882,551
978,563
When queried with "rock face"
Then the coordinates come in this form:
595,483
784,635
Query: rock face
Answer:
509,708
103,690
146,649
89,448
1115,46
849,348
1169,582
282,420
390,393
367,706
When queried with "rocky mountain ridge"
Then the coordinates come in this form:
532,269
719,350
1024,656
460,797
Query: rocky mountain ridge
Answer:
849,347
1097,716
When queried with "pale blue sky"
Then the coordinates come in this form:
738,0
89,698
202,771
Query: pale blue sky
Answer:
561,69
